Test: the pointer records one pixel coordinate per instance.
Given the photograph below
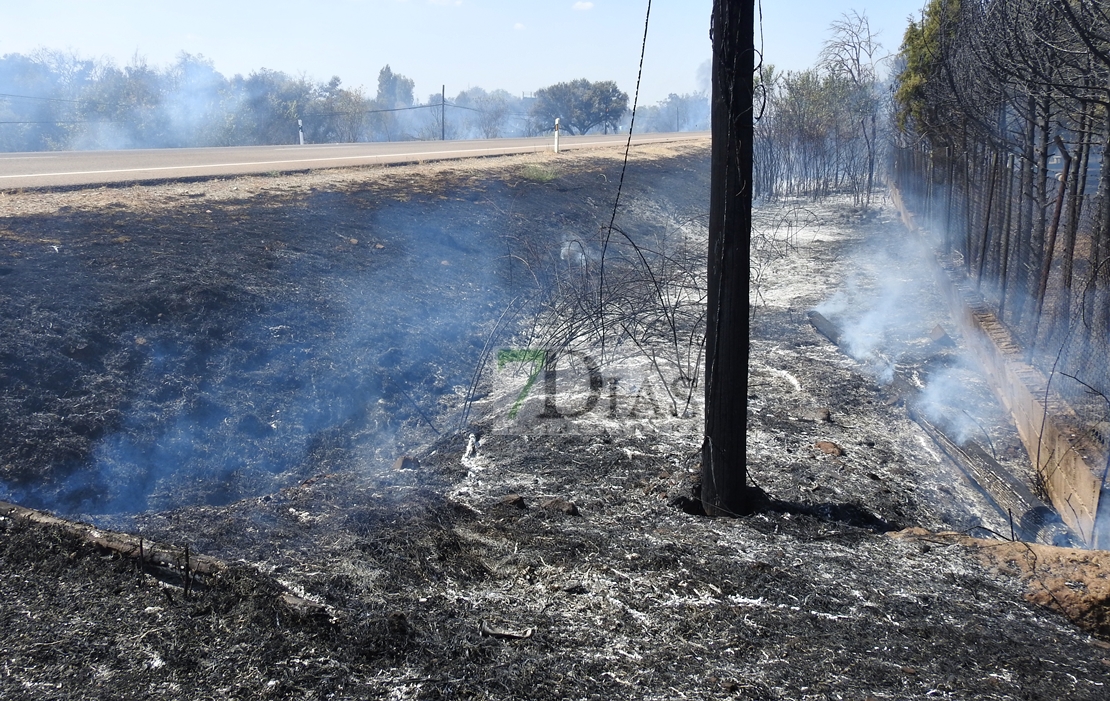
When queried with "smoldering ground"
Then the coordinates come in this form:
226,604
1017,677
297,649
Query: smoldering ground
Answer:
457,581
237,337
862,269
893,319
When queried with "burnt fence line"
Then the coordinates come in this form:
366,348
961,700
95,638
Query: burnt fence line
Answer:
1032,236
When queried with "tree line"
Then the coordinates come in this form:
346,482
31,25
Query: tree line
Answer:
1003,126
53,100
823,130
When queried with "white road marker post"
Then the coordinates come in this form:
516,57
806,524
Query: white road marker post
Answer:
556,135
300,131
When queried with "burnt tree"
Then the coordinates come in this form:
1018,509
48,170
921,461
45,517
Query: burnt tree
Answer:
724,470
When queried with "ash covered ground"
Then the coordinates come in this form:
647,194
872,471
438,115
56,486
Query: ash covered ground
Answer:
547,561
200,343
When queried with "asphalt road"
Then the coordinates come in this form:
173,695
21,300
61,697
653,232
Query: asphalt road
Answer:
69,168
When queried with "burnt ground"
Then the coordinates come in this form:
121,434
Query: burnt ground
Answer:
434,585
200,343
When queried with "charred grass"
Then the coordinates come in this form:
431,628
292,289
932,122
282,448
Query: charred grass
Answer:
459,578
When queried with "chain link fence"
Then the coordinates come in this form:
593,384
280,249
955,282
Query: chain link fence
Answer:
1029,243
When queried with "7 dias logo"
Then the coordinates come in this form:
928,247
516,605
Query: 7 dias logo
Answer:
551,387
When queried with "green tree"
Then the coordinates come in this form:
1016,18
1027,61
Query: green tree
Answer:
394,92
922,51
492,109
270,102
394,89
580,106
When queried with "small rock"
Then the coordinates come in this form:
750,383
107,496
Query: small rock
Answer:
940,337
302,607
909,670
514,500
824,414
560,504
830,448
406,462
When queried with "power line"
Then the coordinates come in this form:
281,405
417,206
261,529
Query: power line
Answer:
624,167
10,96
393,109
55,121
377,111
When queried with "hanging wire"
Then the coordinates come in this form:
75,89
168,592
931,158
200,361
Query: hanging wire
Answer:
624,168
10,96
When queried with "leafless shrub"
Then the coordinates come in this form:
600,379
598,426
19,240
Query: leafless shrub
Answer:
644,290
775,230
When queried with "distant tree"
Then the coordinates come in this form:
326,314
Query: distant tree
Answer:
36,124
676,113
852,54
431,127
490,111
194,102
125,109
580,106
394,90
271,103
338,114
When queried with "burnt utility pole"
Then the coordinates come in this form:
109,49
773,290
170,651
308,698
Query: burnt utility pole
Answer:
723,466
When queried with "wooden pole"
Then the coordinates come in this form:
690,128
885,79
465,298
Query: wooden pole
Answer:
724,470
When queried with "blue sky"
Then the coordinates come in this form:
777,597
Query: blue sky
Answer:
519,45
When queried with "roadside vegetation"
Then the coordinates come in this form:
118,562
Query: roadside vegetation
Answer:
52,100
823,130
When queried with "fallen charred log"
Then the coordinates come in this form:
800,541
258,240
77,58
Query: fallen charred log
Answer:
1030,517
825,327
